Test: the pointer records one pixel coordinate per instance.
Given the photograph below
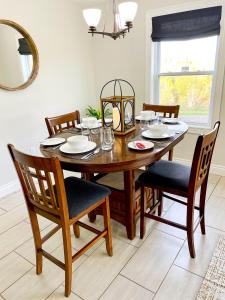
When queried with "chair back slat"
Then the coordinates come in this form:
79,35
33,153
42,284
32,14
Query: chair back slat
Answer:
39,178
167,111
59,123
202,158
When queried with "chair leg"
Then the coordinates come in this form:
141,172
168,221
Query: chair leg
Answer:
37,240
202,205
107,224
76,230
92,216
160,199
142,212
190,231
171,154
68,258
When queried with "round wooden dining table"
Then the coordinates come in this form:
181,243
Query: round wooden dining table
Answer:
119,159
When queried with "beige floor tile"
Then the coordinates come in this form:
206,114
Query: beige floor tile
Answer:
98,271
215,212
39,287
124,289
204,246
27,249
12,267
152,261
59,295
177,213
14,237
220,188
179,284
2,211
10,202
1,298
13,217
213,178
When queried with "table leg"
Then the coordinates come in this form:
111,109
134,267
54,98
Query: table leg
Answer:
129,188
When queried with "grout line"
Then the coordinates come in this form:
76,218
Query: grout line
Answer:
21,221
188,271
137,284
223,231
2,297
169,270
24,258
18,279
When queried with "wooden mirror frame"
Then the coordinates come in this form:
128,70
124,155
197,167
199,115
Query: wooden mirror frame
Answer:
35,55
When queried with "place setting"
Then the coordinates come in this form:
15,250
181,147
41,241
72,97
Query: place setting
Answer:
158,132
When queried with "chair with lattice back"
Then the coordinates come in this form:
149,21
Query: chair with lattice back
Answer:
177,179
60,123
180,180
64,202
167,111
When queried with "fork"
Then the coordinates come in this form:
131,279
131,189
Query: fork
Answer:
87,156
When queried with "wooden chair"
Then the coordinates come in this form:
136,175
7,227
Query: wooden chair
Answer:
173,178
63,202
59,123
168,111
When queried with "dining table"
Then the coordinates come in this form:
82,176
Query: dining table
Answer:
120,159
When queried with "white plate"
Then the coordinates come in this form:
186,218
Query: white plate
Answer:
78,126
65,148
107,120
148,145
170,120
52,141
150,135
139,118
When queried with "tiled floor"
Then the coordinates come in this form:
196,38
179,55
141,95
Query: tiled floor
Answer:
158,267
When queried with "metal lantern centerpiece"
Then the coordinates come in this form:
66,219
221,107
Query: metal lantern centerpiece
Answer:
118,111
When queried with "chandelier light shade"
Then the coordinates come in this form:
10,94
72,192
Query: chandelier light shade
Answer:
92,16
123,17
127,11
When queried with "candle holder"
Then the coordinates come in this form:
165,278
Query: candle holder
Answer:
121,108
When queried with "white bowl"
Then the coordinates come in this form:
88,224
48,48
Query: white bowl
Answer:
158,128
90,122
147,114
77,141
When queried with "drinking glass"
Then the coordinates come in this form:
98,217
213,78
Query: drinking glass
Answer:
144,124
106,138
158,118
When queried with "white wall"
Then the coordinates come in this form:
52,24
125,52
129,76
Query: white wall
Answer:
126,58
65,81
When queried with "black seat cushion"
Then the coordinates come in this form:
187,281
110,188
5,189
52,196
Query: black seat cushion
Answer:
81,194
166,174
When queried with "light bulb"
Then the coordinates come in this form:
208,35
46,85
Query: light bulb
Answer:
128,11
92,16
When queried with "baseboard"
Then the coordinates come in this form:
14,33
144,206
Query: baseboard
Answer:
215,169
9,188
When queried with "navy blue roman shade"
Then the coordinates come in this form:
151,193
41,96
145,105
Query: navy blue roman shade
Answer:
24,47
187,25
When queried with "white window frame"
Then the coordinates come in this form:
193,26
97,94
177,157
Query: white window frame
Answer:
153,60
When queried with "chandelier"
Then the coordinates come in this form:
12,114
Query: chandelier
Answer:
123,16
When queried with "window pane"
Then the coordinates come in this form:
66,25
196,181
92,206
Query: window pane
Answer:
188,56
192,93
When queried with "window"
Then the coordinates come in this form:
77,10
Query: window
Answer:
27,66
184,75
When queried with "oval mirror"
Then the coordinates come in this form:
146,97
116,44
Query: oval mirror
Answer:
18,57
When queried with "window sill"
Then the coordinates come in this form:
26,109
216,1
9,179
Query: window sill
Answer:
197,130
